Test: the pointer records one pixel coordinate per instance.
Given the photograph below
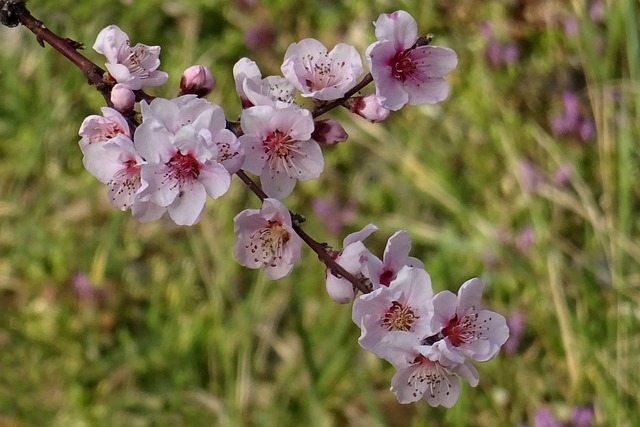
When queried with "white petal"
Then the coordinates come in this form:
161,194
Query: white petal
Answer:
276,185
397,250
444,305
431,91
469,295
359,235
340,290
188,205
215,179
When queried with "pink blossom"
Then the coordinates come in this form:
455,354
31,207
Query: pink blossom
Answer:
254,90
475,333
396,256
181,141
135,67
319,74
404,70
352,257
404,305
117,164
204,118
368,107
279,148
428,372
266,238
98,129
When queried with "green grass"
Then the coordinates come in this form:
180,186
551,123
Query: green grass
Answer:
183,336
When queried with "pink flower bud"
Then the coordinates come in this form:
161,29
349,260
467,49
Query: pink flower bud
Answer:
340,290
369,108
329,132
197,80
123,98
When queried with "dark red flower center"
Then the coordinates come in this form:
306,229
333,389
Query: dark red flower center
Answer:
184,166
277,143
402,65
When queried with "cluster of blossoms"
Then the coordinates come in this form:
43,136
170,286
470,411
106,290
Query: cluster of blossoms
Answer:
168,157
429,339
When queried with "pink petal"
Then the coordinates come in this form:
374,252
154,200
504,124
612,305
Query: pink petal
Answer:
469,295
215,179
399,27
358,236
189,204
276,185
430,91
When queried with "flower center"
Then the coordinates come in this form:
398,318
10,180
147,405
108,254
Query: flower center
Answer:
386,277
277,143
399,317
184,167
107,130
462,330
273,240
134,61
402,65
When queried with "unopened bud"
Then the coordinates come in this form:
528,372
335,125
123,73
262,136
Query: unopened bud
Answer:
123,98
329,132
339,290
197,80
369,108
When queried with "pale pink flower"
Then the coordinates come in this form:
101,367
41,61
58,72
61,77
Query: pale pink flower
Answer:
475,333
404,305
319,74
266,238
117,164
205,118
254,90
405,71
197,80
99,129
396,256
427,372
352,257
181,141
135,67
278,147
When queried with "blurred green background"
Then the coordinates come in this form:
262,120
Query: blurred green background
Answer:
527,176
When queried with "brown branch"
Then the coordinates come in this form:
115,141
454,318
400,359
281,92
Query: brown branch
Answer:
67,47
14,13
